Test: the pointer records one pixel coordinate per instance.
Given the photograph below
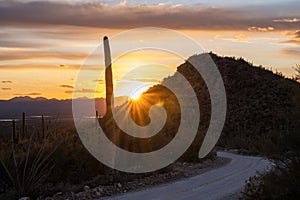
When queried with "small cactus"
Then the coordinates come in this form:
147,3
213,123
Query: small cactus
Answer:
43,127
23,125
97,117
14,133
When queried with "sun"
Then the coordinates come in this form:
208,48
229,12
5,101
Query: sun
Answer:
136,94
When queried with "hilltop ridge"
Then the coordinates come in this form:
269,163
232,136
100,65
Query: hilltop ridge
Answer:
262,105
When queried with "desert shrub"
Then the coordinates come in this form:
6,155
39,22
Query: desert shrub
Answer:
282,182
37,165
26,167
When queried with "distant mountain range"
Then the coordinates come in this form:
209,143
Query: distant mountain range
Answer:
50,107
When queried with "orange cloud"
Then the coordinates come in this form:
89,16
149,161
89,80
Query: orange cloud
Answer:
287,20
84,90
294,52
6,81
28,94
295,40
66,86
261,29
35,66
6,55
235,38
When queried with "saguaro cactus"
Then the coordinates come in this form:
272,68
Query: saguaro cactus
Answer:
108,77
108,118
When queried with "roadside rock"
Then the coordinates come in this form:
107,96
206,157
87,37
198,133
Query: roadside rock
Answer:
24,198
86,187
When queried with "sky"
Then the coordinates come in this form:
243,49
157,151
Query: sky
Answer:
44,43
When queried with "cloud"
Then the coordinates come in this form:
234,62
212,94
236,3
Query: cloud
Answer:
295,38
6,81
99,81
63,66
48,66
28,94
47,36
7,55
123,16
35,66
261,29
21,44
66,86
146,80
84,90
287,20
122,3
294,52
6,88
235,38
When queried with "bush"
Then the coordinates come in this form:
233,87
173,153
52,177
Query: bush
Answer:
27,167
282,182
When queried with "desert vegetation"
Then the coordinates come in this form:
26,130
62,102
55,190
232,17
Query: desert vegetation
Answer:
263,112
49,158
263,118
281,182
297,69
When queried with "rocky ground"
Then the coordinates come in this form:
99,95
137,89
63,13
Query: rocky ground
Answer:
178,171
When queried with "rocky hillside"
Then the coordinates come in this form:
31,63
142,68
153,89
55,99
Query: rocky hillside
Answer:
262,106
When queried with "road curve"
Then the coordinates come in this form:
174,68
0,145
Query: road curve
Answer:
218,183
